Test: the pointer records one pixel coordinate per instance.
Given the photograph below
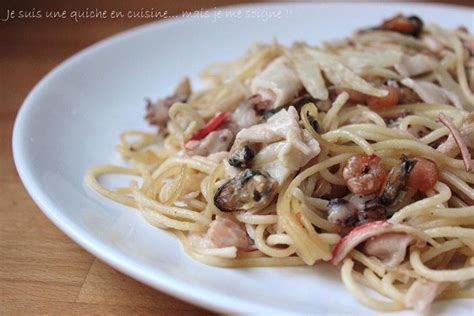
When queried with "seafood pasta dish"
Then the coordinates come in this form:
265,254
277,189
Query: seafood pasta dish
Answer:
355,153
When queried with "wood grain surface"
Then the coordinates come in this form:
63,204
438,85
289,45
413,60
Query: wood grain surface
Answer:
41,270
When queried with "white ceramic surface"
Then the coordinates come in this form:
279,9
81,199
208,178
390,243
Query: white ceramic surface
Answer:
72,119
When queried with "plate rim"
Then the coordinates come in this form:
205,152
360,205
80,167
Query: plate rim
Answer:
186,291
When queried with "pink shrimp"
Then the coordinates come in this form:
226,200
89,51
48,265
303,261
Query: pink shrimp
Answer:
424,175
364,174
391,99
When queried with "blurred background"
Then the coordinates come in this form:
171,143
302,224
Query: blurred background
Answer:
41,270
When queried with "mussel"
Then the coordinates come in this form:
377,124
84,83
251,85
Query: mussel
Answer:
252,189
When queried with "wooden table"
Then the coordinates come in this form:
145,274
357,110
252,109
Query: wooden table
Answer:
41,270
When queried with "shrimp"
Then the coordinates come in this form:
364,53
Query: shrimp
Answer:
355,97
374,103
391,99
424,174
364,174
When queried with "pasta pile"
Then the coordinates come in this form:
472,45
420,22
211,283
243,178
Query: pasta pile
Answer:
357,152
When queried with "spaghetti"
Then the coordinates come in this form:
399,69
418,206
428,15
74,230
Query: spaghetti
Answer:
357,152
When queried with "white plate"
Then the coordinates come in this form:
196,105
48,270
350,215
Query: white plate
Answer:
72,119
